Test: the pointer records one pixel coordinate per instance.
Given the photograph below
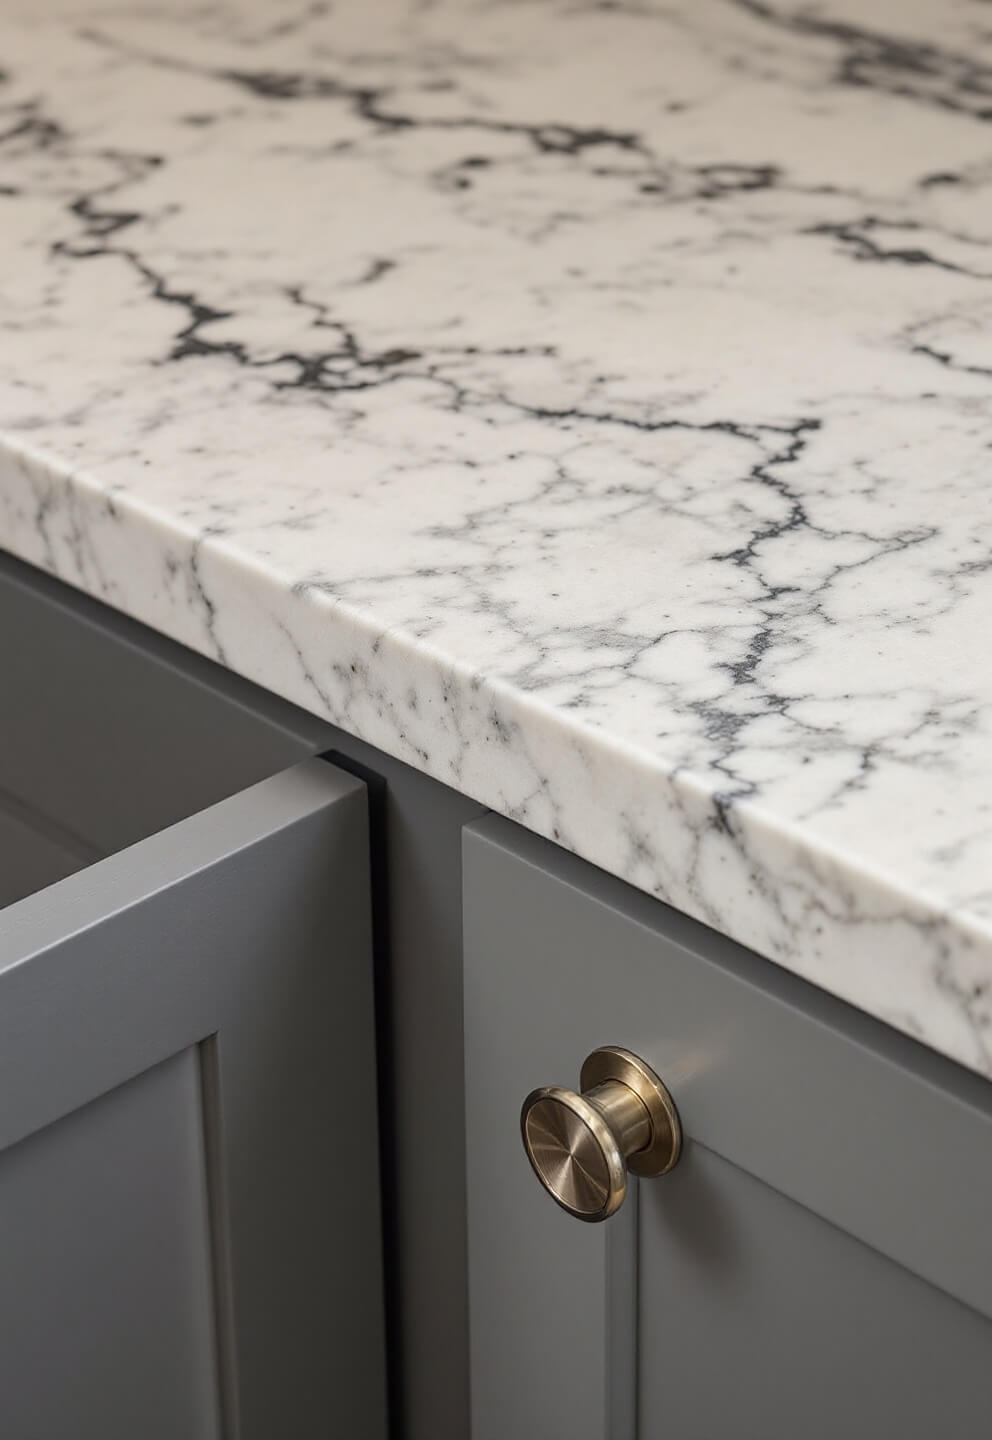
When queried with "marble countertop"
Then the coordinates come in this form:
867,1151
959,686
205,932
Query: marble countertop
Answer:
589,403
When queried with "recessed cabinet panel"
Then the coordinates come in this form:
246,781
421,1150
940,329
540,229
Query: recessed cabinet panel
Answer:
112,1331
758,1320
802,1270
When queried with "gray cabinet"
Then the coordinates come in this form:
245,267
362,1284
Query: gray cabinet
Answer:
818,1263
189,1205
189,1188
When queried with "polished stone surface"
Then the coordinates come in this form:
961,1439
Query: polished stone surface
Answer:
590,404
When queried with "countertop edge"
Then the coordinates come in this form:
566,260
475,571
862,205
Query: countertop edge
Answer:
818,913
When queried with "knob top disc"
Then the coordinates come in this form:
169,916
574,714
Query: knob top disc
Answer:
574,1153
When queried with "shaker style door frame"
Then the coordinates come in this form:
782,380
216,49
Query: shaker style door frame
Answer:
233,952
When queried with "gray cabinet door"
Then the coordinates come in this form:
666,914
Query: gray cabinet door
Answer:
819,1263
189,1218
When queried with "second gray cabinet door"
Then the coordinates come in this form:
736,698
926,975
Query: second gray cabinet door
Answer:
189,1217
818,1264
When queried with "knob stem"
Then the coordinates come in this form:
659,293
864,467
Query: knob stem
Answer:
625,1113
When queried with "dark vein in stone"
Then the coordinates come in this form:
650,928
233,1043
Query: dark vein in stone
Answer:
856,236
910,69
945,358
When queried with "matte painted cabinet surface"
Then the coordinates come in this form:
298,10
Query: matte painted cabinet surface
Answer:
189,1197
820,1261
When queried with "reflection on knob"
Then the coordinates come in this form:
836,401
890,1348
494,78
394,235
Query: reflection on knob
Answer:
581,1146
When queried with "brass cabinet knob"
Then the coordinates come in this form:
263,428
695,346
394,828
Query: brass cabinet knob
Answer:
581,1146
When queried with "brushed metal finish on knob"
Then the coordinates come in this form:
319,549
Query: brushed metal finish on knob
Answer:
581,1146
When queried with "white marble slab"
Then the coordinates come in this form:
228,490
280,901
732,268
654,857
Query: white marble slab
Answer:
590,404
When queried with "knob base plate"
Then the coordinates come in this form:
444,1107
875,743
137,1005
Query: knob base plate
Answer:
612,1062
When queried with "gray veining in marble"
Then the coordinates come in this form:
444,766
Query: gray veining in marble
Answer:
589,403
